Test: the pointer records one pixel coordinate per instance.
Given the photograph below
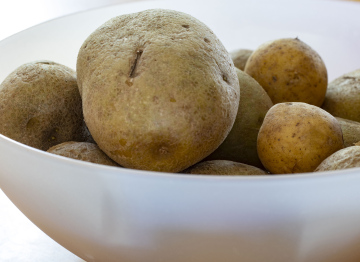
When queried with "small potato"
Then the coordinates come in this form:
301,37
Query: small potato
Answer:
241,143
290,71
296,137
40,105
82,151
346,158
224,167
240,57
350,130
343,96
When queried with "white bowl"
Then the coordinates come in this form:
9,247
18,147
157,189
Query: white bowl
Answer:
103,213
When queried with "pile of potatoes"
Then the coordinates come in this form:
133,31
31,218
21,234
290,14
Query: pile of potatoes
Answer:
157,90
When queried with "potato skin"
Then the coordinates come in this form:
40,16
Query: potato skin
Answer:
343,96
346,158
159,90
40,105
84,151
296,137
350,130
290,71
224,168
240,57
241,143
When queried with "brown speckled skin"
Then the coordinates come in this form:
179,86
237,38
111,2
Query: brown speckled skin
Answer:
343,96
296,137
84,151
224,168
290,71
241,143
40,105
159,90
240,57
346,158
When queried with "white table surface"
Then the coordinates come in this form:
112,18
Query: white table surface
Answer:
20,240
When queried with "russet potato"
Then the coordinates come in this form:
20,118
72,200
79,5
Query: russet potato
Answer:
346,158
84,151
224,168
350,130
159,90
241,143
240,57
40,105
343,96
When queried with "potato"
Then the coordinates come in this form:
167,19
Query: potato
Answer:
346,158
224,167
159,90
350,130
240,57
343,96
241,143
40,105
84,151
296,137
290,71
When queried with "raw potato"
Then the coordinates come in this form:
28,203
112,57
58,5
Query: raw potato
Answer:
290,71
346,158
40,105
84,151
241,143
297,137
343,96
350,130
224,167
240,57
159,90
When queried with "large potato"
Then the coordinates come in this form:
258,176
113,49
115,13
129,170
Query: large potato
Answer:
290,71
40,105
159,90
241,143
343,96
297,137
